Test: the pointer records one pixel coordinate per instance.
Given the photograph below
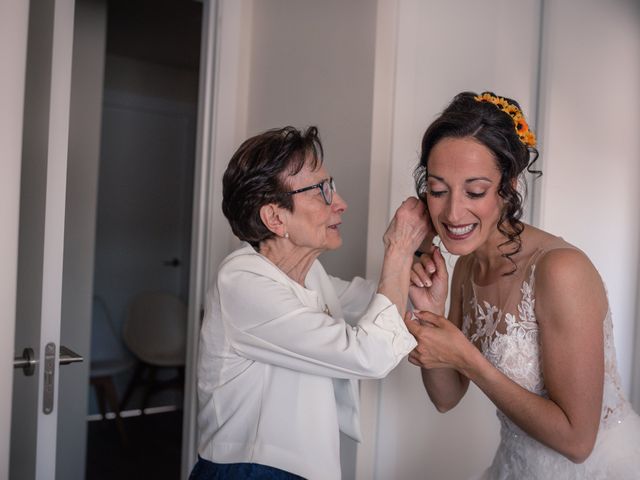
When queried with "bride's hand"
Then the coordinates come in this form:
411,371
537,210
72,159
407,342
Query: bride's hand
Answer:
440,343
429,282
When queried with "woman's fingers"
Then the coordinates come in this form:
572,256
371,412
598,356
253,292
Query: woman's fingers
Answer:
428,318
421,329
439,262
415,203
408,226
423,270
412,325
428,263
419,276
414,361
416,279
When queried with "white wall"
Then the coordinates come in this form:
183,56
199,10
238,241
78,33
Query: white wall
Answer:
312,64
14,19
591,148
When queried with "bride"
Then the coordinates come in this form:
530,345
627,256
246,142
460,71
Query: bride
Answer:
529,320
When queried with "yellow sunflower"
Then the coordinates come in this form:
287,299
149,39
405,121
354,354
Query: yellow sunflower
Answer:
526,136
521,125
529,139
513,111
501,103
485,97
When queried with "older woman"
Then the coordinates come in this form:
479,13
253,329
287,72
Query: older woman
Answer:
283,342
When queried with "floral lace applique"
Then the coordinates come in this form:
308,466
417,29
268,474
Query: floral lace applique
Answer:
516,352
614,404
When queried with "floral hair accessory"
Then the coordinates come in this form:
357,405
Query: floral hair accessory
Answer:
527,137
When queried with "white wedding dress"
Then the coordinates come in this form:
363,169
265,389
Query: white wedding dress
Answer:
501,321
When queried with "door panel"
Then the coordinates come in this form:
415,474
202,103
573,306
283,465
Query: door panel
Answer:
14,17
41,232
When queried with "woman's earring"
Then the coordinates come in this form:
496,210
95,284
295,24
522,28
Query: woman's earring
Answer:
286,234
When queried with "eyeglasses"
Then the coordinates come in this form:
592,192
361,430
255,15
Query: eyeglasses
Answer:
326,186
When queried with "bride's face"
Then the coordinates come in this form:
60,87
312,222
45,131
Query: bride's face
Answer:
462,195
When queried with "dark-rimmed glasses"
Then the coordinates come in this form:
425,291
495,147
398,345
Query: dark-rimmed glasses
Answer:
326,186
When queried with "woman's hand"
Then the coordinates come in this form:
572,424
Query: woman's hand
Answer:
408,228
429,282
404,235
440,343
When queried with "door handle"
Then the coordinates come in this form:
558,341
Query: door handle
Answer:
174,262
27,362
68,356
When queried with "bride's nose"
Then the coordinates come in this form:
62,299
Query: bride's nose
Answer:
455,208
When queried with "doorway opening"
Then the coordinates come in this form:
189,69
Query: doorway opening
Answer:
143,238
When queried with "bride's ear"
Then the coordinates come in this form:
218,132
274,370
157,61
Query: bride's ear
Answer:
274,218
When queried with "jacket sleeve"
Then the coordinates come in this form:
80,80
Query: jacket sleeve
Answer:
267,321
354,296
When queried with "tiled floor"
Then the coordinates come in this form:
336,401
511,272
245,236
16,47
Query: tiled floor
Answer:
153,451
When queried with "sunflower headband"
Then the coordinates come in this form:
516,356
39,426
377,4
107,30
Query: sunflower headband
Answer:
522,128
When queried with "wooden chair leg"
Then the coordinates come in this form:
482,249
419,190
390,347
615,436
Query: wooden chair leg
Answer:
98,385
112,398
133,383
106,393
150,383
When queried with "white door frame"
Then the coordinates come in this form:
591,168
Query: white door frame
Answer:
201,206
221,125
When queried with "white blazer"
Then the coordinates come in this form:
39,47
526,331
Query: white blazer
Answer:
278,364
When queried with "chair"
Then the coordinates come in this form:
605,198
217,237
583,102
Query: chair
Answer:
108,359
155,331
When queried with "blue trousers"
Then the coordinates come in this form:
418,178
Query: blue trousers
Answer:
206,470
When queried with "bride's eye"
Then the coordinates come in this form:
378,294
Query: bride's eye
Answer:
476,194
436,193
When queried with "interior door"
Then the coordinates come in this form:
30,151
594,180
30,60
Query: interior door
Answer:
41,239
14,17
144,199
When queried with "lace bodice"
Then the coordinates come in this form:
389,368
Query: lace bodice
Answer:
515,350
509,339
500,320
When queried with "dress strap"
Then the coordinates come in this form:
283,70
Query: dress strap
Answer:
556,244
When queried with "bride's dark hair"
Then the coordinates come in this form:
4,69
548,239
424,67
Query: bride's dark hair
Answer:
489,124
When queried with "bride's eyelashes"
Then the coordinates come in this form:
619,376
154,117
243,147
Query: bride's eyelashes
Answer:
476,194
436,194
440,193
